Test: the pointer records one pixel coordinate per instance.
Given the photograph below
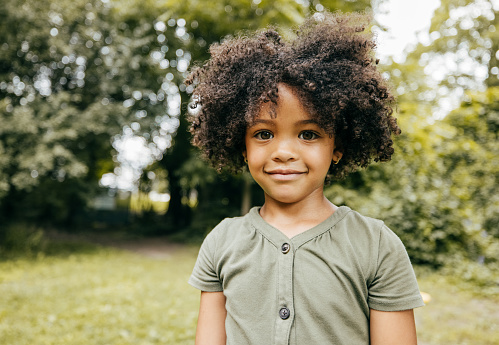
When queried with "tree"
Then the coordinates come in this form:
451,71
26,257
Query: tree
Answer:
76,74
466,31
439,192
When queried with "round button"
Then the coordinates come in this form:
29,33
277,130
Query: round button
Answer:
285,248
284,313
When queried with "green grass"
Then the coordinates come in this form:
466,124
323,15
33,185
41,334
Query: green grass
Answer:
457,314
97,295
103,297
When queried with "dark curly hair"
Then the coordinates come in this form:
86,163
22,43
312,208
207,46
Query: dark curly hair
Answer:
330,64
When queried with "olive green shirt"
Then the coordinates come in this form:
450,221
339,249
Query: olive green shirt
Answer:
315,288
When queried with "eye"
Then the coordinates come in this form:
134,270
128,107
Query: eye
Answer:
308,135
264,135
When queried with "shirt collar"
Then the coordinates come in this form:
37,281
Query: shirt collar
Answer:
277,237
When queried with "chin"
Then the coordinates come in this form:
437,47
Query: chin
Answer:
284,199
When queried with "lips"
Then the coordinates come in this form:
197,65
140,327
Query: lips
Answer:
284,174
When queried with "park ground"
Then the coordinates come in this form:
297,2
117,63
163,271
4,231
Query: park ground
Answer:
130,291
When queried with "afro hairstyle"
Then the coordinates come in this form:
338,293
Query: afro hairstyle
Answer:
329,64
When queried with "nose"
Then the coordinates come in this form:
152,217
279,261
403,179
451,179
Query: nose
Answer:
284,151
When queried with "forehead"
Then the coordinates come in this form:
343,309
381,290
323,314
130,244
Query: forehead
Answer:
289,104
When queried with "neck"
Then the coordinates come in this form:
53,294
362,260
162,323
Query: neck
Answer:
295,218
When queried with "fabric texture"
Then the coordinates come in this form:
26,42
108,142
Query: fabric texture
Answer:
315,288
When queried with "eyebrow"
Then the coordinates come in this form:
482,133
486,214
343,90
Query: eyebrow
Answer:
312,121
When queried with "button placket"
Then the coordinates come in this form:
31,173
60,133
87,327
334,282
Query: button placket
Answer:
285,307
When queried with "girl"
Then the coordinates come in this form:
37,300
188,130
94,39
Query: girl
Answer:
299,270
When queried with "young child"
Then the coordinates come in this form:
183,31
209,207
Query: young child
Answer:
299,270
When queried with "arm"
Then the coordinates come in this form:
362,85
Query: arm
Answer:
392,327
211,321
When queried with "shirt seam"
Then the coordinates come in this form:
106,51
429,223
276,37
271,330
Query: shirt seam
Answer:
203,286
323,232
415,298
403,304
264,236
215,262
380,229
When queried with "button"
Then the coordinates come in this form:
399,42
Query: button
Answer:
284,313
285,248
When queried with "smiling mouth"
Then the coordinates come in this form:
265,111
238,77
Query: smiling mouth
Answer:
284,174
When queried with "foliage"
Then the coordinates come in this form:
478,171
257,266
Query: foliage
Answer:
465,31
471,159
23,240
74,76
440,192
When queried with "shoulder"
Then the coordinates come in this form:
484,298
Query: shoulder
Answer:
229,230
371,237
375,227
360,226
220,238
230,226
373,231
361,220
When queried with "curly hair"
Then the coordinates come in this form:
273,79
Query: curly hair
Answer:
331,66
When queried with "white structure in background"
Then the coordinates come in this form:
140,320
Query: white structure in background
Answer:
407,22
104,203
133,155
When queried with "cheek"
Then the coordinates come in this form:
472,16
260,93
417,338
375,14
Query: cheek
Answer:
250,148
253,155
323,157
325,151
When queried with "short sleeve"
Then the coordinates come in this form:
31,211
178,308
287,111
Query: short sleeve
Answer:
394,286
204,275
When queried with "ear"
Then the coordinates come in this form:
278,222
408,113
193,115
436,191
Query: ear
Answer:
337,152
245,156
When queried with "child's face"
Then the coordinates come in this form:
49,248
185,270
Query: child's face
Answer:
289,155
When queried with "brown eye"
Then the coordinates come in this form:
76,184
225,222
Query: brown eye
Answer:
308,135
264,135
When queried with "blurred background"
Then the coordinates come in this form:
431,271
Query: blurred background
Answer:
95,154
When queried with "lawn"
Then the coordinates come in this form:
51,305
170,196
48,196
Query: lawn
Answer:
100,295
457,314
103,296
